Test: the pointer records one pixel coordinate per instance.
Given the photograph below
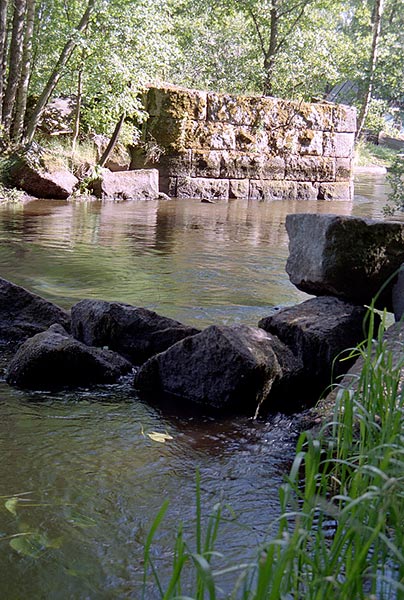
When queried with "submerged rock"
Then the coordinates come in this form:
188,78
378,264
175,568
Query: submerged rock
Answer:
40,175
317,331
23,314
227,368
136,333
53,358
347,257
141,184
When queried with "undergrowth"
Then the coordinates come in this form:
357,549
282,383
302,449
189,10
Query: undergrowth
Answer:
340,534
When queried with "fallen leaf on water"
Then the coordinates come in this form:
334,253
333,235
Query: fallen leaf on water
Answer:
159,437
11,505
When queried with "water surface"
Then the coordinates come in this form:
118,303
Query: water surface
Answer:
93,477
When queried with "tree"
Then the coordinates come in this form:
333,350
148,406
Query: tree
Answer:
377,23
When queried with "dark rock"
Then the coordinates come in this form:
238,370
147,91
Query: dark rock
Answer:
40,175
347,257
317,331
398,295
23,314
127,185
226,368
53,358
136,333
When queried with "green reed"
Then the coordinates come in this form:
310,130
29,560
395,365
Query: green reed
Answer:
341,528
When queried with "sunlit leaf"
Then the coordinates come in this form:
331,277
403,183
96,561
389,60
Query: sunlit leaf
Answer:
11,505
159,437
80,520
32,544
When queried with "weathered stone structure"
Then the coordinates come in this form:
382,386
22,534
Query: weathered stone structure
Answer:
210,145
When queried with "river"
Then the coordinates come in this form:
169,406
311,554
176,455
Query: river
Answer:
91,477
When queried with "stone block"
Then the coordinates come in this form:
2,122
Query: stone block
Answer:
239,188
211,136
305,115
170,134
317,331
347,257
127,185
310,142
339,145
344,118
306,190
172,187
308,168
343,169
237,110
336,191
234,369
204,188
249,139
176,103
240,165
205,164
272,190
175,164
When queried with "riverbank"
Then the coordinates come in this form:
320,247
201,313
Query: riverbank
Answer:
340,532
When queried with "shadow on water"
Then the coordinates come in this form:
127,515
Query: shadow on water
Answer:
92,472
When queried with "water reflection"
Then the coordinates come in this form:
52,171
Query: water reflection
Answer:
94,478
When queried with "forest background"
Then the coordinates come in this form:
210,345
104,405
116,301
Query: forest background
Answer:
102,52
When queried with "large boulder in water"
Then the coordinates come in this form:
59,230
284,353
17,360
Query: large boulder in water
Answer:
40,174
53,359
318,331
23,314
347,257
141,184
136,333
227,368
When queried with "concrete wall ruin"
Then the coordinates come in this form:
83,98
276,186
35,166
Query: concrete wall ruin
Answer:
211,145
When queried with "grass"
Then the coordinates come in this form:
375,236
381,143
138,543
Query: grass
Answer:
368,154
340,533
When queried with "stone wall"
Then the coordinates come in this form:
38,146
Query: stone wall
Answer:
210,145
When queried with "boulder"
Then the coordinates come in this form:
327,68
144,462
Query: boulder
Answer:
398,295
317,331
347,257
53,358
136,333
41,174
141,184
23,314
223,368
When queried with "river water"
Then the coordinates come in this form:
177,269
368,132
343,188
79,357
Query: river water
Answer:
91,477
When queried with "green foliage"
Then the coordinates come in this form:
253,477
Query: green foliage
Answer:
341,529
396,179
368,154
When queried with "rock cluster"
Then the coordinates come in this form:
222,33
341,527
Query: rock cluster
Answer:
214,145
281,365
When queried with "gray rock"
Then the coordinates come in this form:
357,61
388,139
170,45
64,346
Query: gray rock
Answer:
227,368
136,333
317,331
23,314
38,174
53,358
347,257
141,184
398,295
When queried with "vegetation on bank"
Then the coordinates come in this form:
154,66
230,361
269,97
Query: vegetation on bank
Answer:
368,154
340,533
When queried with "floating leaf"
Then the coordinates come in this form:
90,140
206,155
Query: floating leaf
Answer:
31,544
159,437
11,505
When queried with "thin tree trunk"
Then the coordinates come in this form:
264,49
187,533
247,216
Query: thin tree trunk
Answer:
378,12
3,51
57,73
270,55
22,92
112,142
14,67
77,112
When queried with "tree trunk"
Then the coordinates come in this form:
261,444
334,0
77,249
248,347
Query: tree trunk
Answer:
22,92
3,51
112,142
378,12
77,112
270,55
57,73
14,66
